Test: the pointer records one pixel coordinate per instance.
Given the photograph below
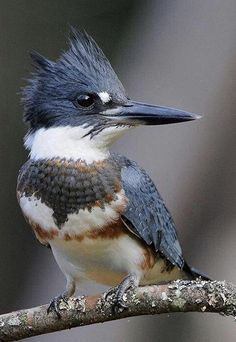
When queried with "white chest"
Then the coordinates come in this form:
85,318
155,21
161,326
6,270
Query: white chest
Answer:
77,223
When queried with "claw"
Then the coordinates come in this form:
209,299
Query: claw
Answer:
54,305
118,302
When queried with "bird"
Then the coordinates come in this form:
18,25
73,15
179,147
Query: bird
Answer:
99,212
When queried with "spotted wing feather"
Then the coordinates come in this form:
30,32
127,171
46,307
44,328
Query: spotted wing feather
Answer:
146,214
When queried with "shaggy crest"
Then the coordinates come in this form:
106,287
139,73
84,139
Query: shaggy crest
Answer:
82,69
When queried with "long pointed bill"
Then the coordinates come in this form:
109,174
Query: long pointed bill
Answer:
136,113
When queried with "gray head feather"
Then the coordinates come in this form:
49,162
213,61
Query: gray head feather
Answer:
49,96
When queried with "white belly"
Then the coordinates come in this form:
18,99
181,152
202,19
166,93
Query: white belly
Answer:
109,261
104,260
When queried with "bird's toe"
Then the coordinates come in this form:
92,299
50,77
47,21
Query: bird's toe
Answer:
54,305
117,293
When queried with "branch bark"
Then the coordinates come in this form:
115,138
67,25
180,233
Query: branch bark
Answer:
178,296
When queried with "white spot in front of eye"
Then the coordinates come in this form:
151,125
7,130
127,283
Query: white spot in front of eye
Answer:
104,96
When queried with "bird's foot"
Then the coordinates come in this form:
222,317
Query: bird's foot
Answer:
54,305
118,302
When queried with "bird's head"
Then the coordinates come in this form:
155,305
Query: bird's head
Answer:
78,100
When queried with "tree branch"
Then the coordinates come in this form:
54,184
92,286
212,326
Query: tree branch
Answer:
178,296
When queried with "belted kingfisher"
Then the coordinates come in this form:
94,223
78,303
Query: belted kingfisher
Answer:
100,213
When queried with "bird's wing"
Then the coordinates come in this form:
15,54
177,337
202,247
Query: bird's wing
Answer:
146,214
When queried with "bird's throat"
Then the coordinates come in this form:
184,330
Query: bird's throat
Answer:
65,143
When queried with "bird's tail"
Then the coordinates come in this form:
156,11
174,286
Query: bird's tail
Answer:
193,273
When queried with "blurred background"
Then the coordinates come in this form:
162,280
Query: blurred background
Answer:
177,53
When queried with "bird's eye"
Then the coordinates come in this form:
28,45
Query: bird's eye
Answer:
84,101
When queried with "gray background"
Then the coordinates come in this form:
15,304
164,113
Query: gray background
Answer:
178,53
